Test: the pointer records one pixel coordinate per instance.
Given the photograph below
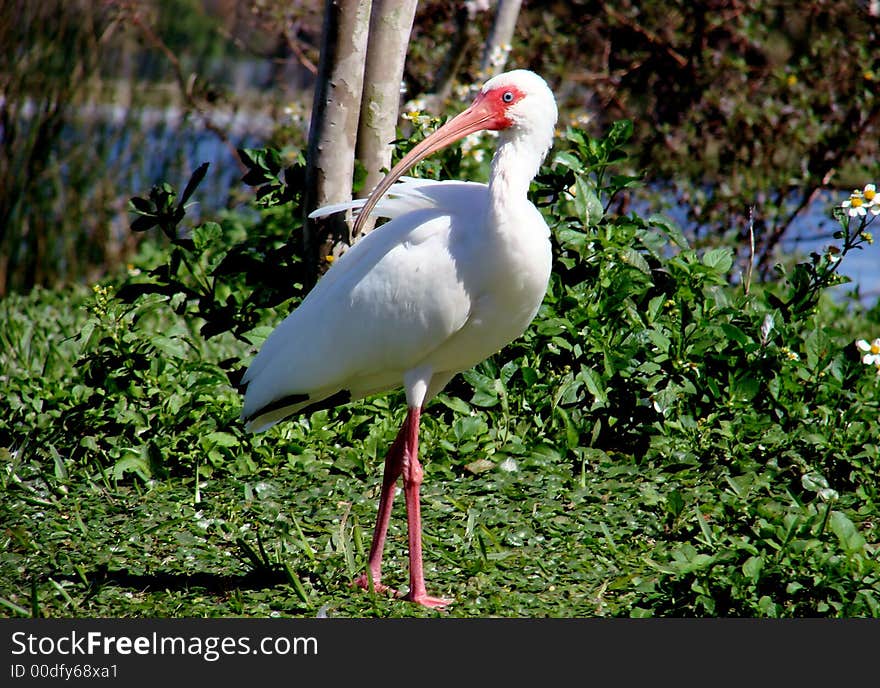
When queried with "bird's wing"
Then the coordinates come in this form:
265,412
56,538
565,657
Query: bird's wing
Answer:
407,195
390,300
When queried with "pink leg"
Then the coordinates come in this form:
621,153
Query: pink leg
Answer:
402,459
412,481
394,462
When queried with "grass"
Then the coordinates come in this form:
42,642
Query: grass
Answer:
533,541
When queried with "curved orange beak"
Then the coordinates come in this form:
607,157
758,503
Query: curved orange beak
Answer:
480,115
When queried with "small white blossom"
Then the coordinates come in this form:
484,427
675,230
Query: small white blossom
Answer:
871,198
871,351
508,465
465,91
474,6
418,104
789,354
499,54
855,204
417,117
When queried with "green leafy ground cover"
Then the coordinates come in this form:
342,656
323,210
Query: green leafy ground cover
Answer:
670,438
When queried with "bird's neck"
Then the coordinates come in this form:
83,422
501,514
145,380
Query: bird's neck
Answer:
514,165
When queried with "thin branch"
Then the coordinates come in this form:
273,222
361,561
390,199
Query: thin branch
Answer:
748,280
649,36
291,35
185,83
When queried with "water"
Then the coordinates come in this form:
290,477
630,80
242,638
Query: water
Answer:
812,231
163,144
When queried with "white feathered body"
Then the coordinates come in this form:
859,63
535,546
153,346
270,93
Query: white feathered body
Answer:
450,280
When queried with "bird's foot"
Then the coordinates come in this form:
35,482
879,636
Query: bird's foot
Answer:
363,582
427,601
423,599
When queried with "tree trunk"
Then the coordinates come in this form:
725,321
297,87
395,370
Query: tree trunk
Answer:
334,124
500,36
390,25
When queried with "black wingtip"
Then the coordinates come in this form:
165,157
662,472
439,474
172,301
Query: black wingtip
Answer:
343,396
289,400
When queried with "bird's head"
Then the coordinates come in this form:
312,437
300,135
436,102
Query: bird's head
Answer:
519,104
517,99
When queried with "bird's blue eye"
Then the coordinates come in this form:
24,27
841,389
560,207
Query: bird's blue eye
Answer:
507,97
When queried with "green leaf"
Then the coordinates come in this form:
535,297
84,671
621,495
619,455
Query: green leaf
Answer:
60,469
485,393
814,482
222,439
206,235
468,427
193,183
845,530
621,132
456,404
594,384
143,223
674,502
134,464
568,160
719,259
632,257
669,228
640,613
586,202
735,334
752,568
141,206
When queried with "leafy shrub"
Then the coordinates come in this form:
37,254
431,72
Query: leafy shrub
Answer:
644,351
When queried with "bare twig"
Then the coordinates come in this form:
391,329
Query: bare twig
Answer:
185,83
650,36
748,279
291,35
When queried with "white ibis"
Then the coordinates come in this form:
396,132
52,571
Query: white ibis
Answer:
458,272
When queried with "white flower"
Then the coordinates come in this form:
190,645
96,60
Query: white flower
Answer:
872,198
465,91
417,117
508,465
855,204
474,6
789,354
418,104
872,351
499,54
469,146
